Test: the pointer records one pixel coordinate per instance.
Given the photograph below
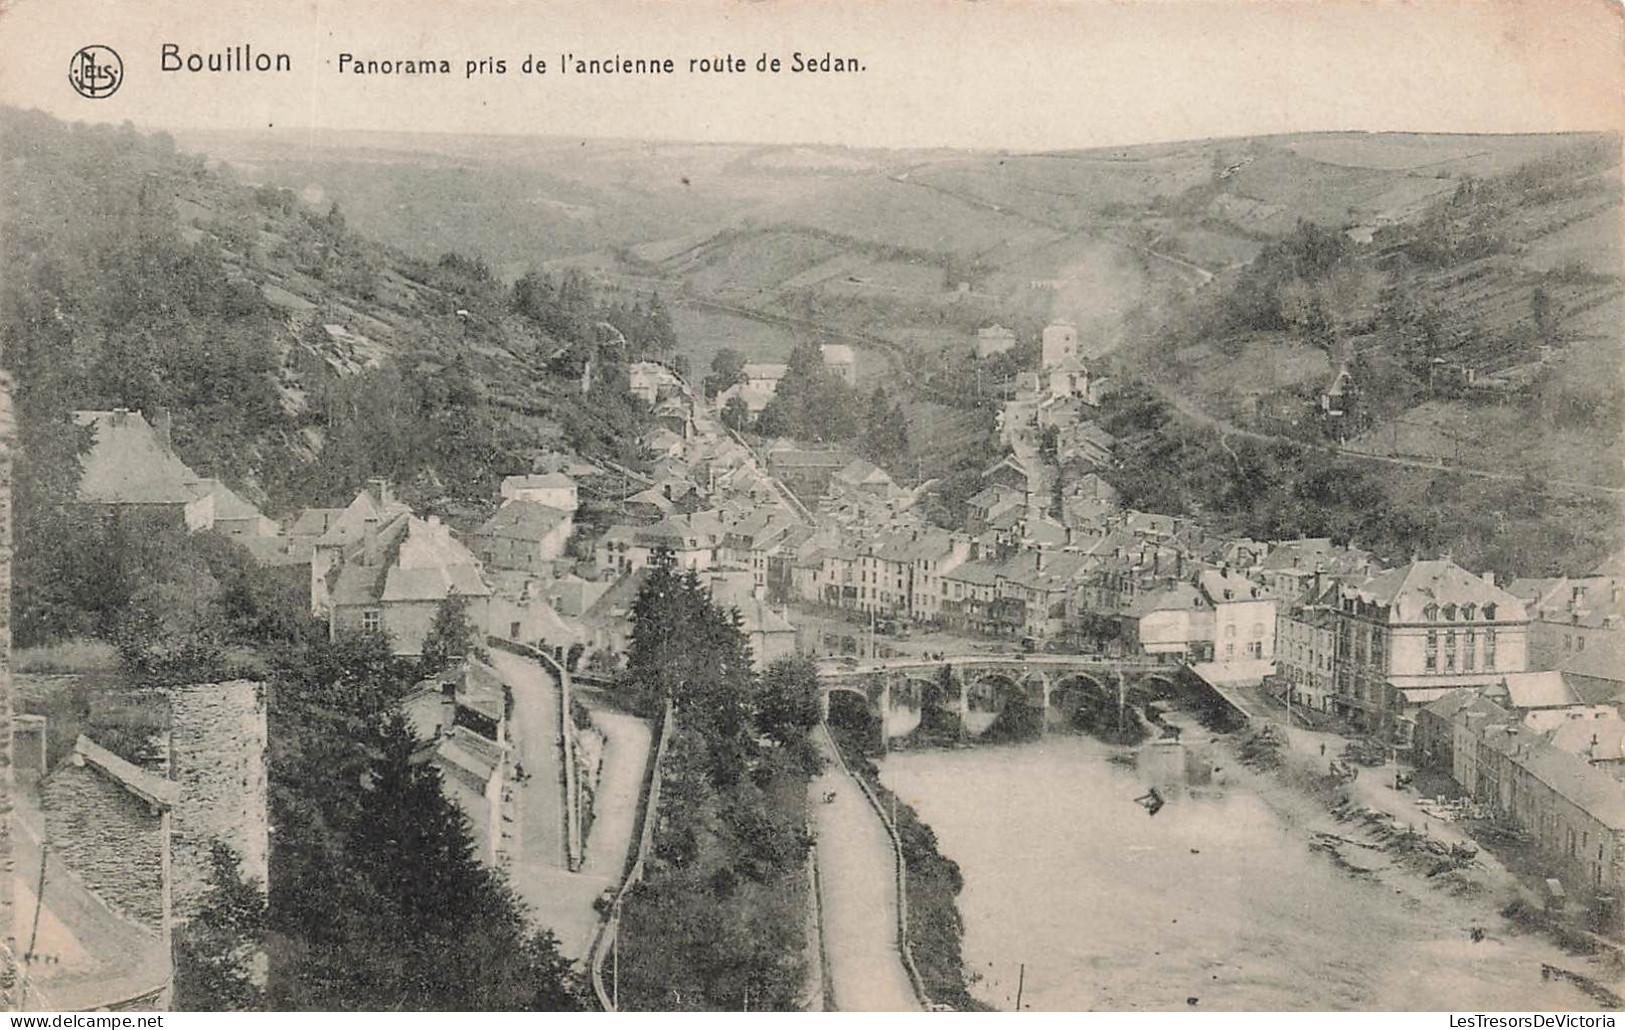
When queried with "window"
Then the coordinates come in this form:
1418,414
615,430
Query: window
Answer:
1469,656
1579,643
1430,656
372,620
1431,613
1489,612
1489,646
1450,613
513,631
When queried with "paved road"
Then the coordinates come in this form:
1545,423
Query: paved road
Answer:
538,808
859,893
536,863
615,802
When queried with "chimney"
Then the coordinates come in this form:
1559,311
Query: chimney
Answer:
370,552
448,706
163,426
1489,577
379,488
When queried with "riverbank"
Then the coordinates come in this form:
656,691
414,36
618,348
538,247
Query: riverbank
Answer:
1078,897
1373,832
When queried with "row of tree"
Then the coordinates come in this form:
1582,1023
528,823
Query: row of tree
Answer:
717,922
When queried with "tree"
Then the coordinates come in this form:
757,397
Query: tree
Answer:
727,368
886,429
389,905
1540,309
219,952
736,414
787,705
451,635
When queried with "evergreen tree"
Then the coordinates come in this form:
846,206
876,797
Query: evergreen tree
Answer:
451,635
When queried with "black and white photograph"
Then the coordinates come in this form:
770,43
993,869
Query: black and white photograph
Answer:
812,507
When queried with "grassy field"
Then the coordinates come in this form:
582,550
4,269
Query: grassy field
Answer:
703,333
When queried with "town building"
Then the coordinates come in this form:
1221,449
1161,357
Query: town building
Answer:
523,535
131,468
395,579
864,477
1577,626
233,516
98,834
1572,810
994,339
1060,345
764,375
840,362
652,381
807,471
554,489
1407,636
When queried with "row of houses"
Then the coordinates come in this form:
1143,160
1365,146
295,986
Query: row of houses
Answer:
1549,766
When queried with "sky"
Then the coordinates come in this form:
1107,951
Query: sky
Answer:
1010,74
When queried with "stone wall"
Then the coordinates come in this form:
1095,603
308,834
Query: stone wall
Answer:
8,934
110,839
218,742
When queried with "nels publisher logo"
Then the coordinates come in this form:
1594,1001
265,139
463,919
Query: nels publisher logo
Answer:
96,72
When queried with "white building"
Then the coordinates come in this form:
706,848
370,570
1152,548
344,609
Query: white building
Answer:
838,358
1060,344
995,339
554,489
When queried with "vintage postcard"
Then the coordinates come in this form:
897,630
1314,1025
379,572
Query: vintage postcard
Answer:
1030,505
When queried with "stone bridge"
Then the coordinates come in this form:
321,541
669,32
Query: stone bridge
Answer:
977,687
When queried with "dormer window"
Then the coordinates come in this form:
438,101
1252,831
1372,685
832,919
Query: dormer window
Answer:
1469,610
1489,611
1450,612
1431,613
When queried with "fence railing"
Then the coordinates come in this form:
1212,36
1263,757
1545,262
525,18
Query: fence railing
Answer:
606,940
904,948
569,781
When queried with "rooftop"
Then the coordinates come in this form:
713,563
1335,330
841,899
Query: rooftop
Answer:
128,464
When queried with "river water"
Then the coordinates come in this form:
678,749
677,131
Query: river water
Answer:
1215,898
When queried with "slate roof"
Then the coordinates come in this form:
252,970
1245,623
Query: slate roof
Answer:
127,464
531,521
1537,690
1569,776
228,506
539,481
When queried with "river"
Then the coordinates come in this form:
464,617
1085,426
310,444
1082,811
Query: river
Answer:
1214,902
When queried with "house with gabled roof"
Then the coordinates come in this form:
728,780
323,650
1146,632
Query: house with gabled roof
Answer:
100,839
396,578
523,535
131,468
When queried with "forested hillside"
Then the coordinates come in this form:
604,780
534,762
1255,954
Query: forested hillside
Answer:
297,357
